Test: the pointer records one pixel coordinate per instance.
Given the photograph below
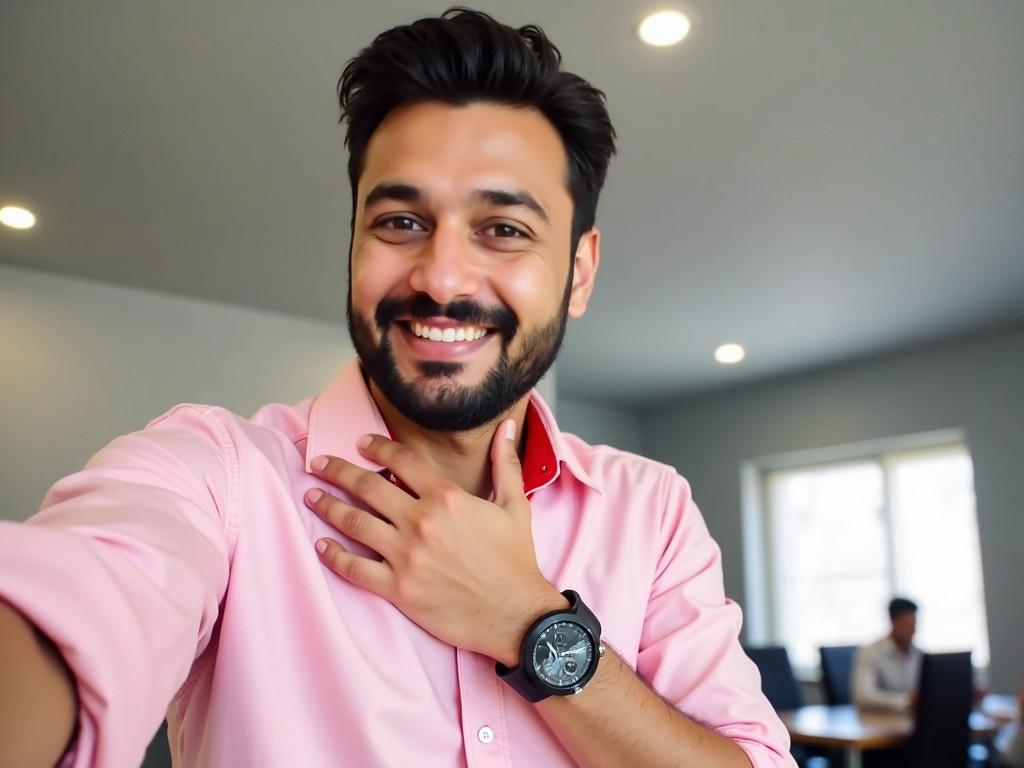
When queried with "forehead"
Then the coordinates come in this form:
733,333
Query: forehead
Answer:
445,149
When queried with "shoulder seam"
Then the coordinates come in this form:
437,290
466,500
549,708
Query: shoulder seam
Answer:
214,415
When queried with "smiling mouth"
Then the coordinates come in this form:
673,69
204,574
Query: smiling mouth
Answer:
447,334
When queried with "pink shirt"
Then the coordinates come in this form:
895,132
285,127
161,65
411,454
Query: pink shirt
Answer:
178,566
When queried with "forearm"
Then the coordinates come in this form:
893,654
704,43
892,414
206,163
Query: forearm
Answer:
867,693
617,720
38,703
875,698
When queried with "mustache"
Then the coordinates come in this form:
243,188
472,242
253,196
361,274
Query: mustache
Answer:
422,307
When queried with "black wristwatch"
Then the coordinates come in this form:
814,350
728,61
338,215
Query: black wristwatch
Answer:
559,654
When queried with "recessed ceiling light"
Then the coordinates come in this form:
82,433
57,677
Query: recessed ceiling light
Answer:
727,354
664,28
18,218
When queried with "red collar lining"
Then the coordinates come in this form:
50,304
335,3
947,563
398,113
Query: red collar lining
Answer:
539,461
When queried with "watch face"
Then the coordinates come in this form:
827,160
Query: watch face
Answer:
563,654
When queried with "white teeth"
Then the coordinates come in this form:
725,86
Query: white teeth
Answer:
447,334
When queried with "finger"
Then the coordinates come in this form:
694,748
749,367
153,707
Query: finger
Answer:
409,468
506,471
357,524
379,494
361,571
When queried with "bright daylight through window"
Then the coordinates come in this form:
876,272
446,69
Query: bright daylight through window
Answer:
843,538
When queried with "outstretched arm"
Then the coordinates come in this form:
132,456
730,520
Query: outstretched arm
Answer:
38,704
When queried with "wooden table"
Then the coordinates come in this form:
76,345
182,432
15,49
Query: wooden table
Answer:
853,730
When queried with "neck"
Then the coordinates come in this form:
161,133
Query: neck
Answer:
462,457
903,646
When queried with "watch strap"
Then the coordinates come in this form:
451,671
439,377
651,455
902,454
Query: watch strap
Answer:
521,677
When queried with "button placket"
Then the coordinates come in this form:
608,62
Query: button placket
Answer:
483,722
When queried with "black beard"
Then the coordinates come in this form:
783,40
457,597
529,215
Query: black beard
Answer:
456,408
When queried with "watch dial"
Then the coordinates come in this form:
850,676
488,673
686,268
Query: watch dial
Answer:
563,654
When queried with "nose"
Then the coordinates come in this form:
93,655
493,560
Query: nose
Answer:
447,265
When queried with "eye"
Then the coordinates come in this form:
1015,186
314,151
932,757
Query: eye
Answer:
504,231
401,223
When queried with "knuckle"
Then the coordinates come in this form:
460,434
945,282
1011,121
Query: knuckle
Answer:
398,453
406,591
333,512
426,528
354,570
352,521
364,484
447,496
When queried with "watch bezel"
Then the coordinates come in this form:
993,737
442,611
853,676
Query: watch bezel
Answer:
530,648
523,678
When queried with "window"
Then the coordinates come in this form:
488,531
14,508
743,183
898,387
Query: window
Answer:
840,538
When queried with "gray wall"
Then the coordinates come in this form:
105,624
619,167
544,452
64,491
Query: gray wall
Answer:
85,361
597,423
975,384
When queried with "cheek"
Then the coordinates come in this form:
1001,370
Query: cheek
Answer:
531,289
374,276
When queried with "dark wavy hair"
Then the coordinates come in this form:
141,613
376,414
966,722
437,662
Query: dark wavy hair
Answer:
465,56
901,605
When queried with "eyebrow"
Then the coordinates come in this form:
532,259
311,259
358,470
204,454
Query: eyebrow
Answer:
406,193
506,198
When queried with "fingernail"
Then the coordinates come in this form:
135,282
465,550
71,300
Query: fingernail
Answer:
510,430
321,546
364,441
313,495
318,463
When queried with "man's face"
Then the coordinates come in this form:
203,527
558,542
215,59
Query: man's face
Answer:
903,628
460,268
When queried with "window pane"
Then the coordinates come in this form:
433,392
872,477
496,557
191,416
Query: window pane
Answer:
938,560
829,556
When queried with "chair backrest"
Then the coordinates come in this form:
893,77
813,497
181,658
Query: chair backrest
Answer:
941,718
836,669
777,679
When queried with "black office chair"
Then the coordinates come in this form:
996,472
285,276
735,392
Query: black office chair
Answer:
836,670
941,719
777,679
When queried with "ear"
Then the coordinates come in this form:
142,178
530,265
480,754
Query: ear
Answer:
585,263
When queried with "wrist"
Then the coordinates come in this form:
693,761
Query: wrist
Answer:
543,603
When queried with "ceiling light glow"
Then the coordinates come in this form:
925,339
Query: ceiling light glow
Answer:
664,28
727,354
17,218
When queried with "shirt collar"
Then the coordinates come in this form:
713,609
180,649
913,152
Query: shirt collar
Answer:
345,411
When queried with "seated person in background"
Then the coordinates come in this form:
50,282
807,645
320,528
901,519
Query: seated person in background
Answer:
885,673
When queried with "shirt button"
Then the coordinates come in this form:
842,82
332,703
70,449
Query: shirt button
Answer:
486,735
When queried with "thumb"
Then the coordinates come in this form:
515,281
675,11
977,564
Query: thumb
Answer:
506,471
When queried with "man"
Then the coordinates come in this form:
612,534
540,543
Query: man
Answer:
416,566
885,673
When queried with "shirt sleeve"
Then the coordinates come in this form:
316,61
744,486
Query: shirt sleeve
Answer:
866,691
123,568
690,651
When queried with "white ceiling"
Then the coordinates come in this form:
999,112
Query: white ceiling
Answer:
817,179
